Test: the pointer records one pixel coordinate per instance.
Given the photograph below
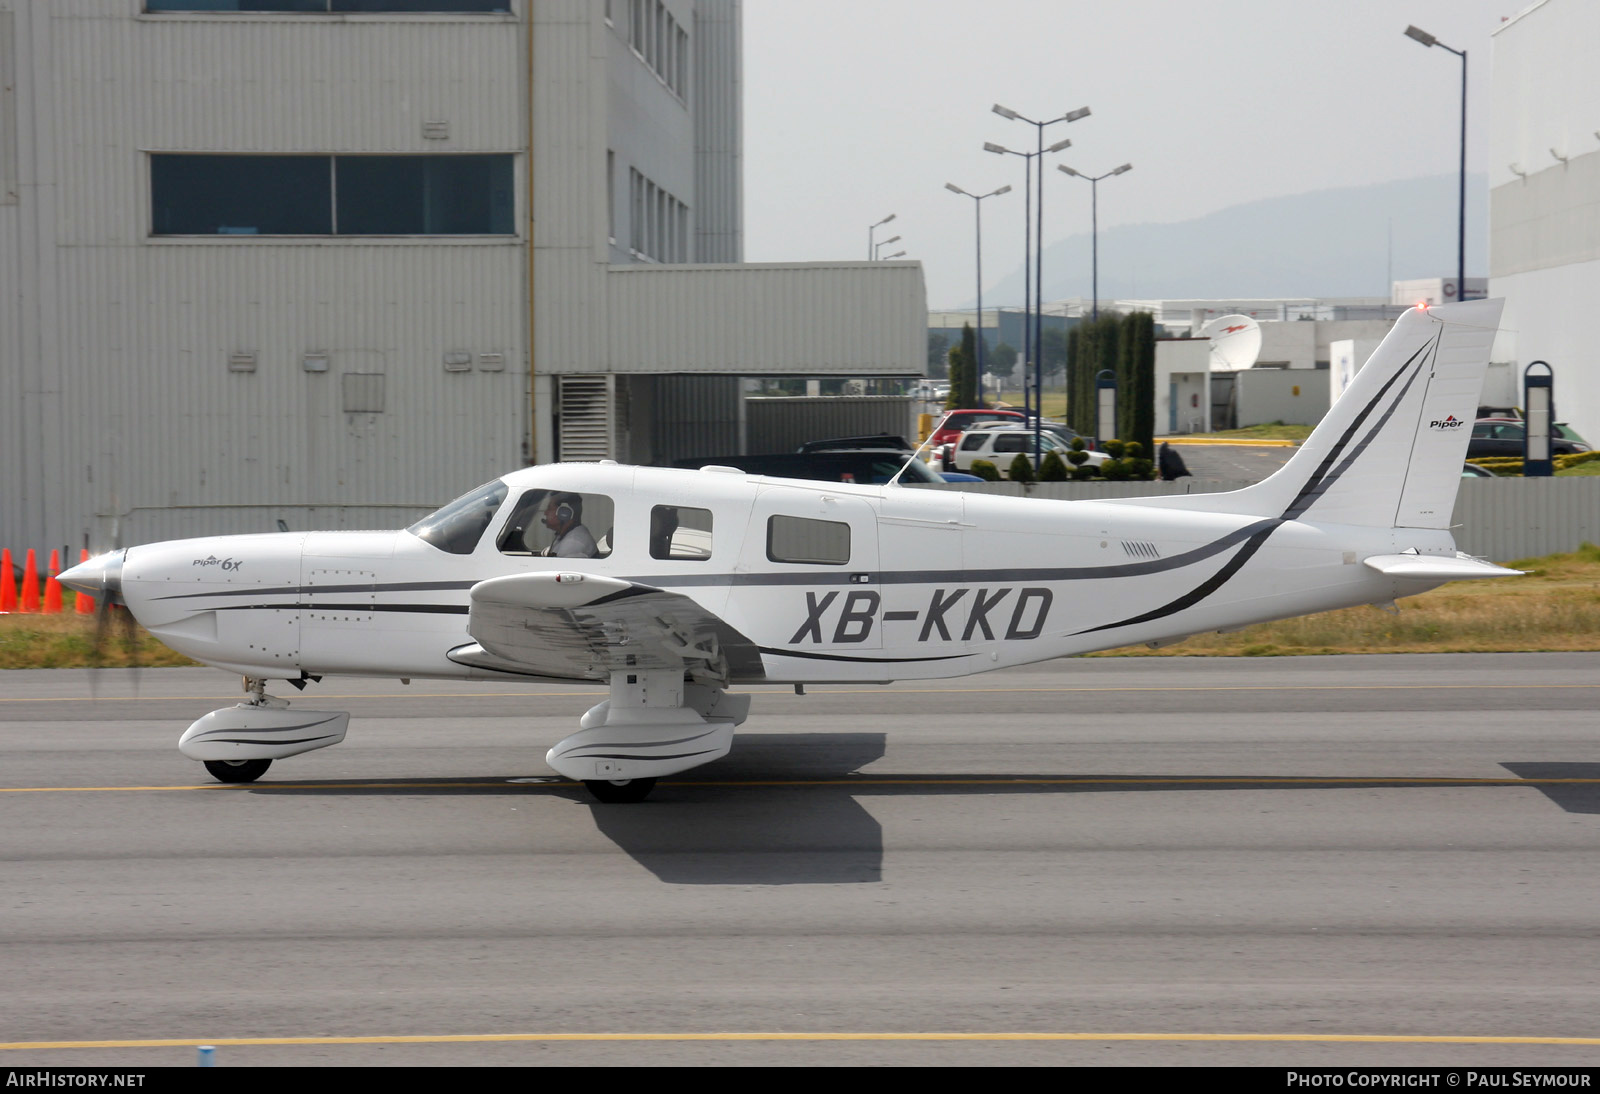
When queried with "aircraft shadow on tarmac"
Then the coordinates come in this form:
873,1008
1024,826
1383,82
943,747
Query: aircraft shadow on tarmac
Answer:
786,809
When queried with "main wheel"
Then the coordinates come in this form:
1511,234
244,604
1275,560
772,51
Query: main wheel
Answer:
237,771
620,791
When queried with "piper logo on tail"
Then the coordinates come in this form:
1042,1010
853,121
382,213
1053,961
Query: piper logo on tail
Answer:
1446,424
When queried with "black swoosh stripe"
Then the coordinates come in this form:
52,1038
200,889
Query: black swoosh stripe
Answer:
868,660
420,609
1199,592
1316,484
287,590
253,741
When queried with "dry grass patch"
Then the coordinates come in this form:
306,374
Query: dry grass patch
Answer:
68,641
1555,607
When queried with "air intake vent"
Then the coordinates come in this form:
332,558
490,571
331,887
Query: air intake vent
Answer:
1139,548
586,432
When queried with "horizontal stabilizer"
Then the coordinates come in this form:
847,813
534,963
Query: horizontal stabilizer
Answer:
1436,567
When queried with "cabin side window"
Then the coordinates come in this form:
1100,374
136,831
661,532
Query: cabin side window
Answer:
680,532
812,542
559,524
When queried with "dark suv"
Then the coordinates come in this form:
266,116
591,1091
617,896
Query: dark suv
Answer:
1506,436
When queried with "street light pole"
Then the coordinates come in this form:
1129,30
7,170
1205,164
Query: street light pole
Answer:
871,228
977,213
1038,256
1419,35
880,246
1094,221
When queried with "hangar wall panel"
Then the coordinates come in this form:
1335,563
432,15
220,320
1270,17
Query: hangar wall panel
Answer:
783,425
148,344
812,319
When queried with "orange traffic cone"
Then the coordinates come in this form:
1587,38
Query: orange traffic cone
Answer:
52,587
30,584
83,605
8,582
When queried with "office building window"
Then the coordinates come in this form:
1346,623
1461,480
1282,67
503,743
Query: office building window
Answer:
660,43
660,229
331,195
329,5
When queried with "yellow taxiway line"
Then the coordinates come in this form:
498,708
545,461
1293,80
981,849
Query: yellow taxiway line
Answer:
485,1038
1364,782
824,690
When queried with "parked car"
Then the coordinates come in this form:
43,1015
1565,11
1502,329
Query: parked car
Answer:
956,422
884,442
860,465
1001,446
1505,437
1063,433
1473,471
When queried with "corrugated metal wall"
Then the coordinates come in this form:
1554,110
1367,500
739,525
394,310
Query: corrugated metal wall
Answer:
695,416
783,425
806,319
718,95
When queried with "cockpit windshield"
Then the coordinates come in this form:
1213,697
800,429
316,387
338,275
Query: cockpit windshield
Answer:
458,526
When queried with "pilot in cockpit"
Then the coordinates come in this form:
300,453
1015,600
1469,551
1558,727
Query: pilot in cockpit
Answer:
563,515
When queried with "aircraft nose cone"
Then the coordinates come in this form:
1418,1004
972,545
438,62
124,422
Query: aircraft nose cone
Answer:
98,577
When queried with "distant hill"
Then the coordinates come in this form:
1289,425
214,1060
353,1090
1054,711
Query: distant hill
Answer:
1324,243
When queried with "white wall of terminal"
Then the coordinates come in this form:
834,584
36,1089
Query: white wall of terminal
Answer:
1544,199
169,375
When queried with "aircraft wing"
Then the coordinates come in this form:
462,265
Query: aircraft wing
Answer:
585,627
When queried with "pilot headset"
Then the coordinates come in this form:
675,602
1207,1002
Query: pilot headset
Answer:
565,513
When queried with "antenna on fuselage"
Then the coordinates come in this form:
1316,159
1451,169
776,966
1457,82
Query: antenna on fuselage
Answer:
915,455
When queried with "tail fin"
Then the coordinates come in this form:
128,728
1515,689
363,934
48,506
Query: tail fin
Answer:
1388,454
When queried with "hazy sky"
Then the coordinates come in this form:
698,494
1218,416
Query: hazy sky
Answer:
855,109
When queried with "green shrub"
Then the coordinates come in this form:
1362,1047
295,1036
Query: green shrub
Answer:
1112,448
1021,469
1082,472
1116,470
986,470
1052,468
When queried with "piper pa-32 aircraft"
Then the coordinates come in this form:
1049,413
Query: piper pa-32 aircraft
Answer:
673,586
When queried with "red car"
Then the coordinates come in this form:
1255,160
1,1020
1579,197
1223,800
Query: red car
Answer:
956,422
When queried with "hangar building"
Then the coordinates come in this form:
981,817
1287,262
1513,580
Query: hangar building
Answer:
1544,199
334,262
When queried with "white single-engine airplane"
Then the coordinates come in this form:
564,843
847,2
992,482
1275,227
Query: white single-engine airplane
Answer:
672,586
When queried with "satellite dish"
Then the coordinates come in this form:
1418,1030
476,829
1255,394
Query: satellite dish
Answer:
1235,342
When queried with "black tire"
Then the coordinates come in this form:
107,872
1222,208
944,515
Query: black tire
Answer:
237,771
621,792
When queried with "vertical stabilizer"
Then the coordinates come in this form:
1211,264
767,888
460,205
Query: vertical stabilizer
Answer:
1388,454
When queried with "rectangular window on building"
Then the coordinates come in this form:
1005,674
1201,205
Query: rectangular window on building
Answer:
241,195
423,195
329,5
295,195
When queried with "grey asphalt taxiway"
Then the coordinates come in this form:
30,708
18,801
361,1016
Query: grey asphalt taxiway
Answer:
1299,861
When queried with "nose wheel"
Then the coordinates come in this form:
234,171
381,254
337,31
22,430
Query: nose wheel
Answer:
618,791
237,771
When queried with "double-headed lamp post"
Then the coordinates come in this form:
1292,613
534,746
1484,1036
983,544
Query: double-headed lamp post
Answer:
1038,252
880,246
1094,221
1029,349
977,213
871,228
1420,35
